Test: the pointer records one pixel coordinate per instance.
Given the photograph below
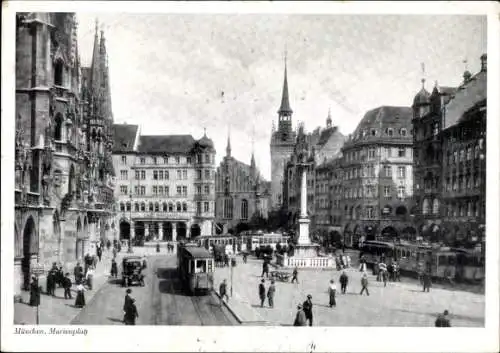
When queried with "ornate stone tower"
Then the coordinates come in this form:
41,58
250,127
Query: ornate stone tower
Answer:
282,144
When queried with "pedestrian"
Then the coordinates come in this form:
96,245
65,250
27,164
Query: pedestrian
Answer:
114,268
127,300
114,252
94,261
427,282
60,275
108,244
307,307
99,253
332,290
144,263
90,277
270,294
131,313
50,283
226,260
80,296
262,292
157,247
87,260
78,272
300,317
295,275
344,280
265,269
362,264
364,284
344,261
223,291
348,261
385,276
245,258
443,320
397,272
34,292
67,286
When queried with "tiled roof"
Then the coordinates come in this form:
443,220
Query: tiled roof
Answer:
326,134
124,137
166,144
386,116
465,98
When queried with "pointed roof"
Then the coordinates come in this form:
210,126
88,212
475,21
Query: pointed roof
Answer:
285,103
95,65
228,146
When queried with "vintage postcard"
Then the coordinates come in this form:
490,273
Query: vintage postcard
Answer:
217,174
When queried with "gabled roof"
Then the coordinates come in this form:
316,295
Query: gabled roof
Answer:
385,116
166,144
124,137
466,97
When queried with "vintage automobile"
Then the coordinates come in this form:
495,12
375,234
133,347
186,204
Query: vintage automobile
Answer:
132,271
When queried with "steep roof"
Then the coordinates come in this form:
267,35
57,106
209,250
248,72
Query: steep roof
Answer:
466,97
326,134
385,116
124,137
285,103
166,144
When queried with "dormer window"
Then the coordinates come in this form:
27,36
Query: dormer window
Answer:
389,131
402,132
373,132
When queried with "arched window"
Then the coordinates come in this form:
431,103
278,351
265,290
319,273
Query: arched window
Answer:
122,206
58,73
165,207
157,207
151,207
136,207
435,206
179,207
143,207
244,209
58,128
170,207
184,207
425,206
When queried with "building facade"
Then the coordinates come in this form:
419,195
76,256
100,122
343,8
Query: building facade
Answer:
282,146
64,177
450,174
166,186
378,178
241,193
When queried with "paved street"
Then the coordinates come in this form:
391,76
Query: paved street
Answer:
160,302
399,304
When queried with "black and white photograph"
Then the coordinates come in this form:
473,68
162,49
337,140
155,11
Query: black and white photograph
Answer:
182,169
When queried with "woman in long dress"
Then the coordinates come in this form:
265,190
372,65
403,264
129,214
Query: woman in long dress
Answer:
131,313
332,291
90,277
80,296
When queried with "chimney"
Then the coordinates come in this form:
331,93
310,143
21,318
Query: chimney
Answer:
483,62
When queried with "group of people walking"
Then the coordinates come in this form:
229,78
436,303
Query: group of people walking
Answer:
57,278
269,293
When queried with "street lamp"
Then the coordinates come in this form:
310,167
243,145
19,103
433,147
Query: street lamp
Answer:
129,250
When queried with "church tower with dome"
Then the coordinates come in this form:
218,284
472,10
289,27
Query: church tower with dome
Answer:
282,145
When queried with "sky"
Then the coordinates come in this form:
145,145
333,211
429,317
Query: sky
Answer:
181,73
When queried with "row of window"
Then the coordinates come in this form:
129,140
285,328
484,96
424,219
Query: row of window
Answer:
155,190
374,152
200,158
388,131
163,207
460,183
466,154
466,209
227,209
372,191
369,171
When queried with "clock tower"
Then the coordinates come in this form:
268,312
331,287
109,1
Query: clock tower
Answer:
282,143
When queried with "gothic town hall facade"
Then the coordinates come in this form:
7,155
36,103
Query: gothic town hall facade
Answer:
63,171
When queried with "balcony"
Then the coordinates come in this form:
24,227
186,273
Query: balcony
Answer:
158,215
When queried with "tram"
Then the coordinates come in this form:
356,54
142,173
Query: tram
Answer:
264,239
415,259
228,241
195,266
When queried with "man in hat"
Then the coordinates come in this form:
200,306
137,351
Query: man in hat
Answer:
78,272
300,317
344,280
307,307
262,292
127,302
131,313
270,293
443,320
295,274
332,291
67,286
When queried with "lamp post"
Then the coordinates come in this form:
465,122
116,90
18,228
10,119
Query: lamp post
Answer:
129,250
231,265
